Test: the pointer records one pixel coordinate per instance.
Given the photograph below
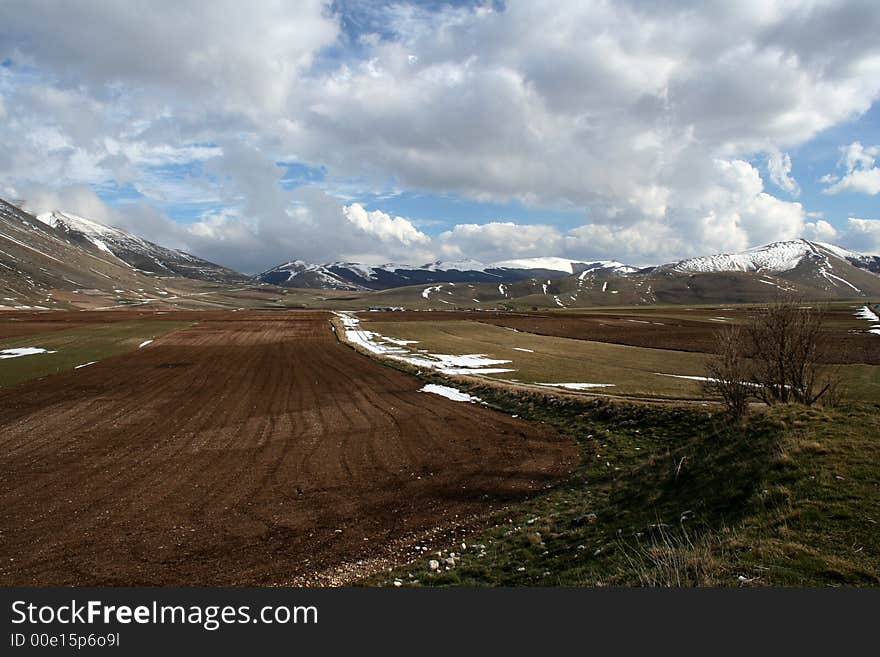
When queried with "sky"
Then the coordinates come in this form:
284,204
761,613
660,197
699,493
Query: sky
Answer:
252,134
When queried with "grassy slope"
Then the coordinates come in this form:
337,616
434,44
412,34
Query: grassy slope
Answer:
77,346
683,498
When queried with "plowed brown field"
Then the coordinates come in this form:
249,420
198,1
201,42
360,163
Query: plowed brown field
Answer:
252,448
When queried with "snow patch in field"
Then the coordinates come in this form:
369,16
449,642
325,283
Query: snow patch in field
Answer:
91,362
578,386
450,393
23,351
685,376
866,313
393,348
531,351
144,343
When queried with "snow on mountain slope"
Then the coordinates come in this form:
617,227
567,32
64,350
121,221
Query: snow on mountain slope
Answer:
776,257
550,264
357,276
135,251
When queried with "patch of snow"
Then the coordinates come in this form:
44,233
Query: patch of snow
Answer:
18,352
531,351
550,264
101,245
445,363
578,386
685,376
866,313
91,362
144,343
450,393
426,293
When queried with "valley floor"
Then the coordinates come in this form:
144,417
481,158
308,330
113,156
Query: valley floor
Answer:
256,448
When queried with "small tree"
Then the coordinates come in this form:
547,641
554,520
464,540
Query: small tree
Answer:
728,371
784,347
775,357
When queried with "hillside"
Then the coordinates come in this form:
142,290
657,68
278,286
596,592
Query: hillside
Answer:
67,262
41,266
136,251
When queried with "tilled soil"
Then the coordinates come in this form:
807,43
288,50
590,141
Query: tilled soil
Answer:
252,448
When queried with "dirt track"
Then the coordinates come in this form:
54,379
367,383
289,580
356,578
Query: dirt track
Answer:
249,449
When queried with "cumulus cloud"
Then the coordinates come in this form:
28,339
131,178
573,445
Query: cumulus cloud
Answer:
641,115
779,169
496,241
859,234
861,172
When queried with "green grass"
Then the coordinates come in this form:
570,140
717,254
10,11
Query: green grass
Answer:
77,346
682,497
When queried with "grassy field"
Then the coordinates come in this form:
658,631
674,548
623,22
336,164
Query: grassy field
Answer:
633,371
77,346
671,496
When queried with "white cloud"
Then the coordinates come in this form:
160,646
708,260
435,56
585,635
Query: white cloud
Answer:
499,241
821,231
779,169
641,115
862,174
384,227
862,235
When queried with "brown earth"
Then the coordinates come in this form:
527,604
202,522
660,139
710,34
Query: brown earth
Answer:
645,329
252,448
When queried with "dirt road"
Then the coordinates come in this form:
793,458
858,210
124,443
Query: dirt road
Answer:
251,448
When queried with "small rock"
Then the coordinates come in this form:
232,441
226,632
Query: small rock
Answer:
449,561
398,583
433,564
586,519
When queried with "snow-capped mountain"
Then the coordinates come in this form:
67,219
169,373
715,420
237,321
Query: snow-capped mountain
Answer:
356,276
816,264
775,258
135,251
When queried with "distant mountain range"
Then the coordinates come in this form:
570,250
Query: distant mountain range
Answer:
355,276
58,254
799,266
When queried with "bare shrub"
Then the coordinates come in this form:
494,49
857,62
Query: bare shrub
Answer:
784,346
775,358
728,372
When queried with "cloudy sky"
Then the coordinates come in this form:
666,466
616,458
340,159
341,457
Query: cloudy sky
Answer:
255,133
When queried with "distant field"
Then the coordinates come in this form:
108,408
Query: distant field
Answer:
76,346
632,371
678,328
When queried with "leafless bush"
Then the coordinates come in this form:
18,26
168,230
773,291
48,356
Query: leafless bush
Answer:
775,358
728,372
